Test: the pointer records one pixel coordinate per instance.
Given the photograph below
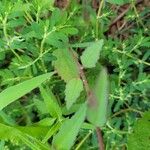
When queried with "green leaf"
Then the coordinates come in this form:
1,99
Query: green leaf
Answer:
91,54
45,122
51,103
57,39
34,131
38,30
69,31
16,23
72,91
71,110
40,106
139,139
82,45
65,64
65,138
51,132
46,3
6,118
15,135
97,111
2,55
118,2
58,17
13,93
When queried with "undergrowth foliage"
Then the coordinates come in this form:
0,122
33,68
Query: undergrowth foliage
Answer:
68,82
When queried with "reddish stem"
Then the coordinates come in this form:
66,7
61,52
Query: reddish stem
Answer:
90,95
100,138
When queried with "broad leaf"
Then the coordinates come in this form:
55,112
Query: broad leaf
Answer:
91,54
65,64
65,138
139,139
51,103
72,91
97,110
13,93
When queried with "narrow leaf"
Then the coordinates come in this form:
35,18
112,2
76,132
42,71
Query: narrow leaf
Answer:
51,132
34,131
118,2
65,64
82,45
65,138
69,30
97,112
51,103
13,93
45,122
72,91
91,54
13,134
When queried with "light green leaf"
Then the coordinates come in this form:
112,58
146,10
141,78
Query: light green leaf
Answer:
118,2
91,54
16,136
97,111
65,138
71,110
69,31
41,106
65,64
13,93
72,91
34,130
51,103
43,4
51,132
45,122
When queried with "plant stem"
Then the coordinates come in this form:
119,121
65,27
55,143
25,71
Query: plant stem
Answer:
97,18
129,55
90,96
100,139
82,75
83,140
126,110
137,15
6,37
